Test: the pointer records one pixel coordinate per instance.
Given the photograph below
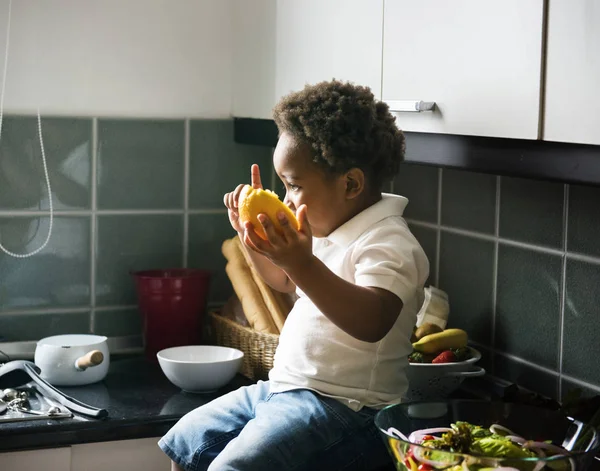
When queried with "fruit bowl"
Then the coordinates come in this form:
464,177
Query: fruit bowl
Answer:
438,380
403,426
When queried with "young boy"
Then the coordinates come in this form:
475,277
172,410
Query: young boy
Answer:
359,274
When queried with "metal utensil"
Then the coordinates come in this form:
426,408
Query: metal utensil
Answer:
52,411
10,394
19,372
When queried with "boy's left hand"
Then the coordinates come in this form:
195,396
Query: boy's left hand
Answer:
289,250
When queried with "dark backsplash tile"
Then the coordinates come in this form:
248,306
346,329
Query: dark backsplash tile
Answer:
130,243
207,234
466,274
418,183
469,200
487,359
428,239
117,323
582,321
528,310
532,211
571,389
140,164
527,376
67,145
141,167
584,220
31,326
58,276
218,165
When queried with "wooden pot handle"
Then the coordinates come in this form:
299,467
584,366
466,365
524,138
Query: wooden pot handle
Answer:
91,358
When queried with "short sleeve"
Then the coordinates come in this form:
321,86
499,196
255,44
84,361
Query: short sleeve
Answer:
390,258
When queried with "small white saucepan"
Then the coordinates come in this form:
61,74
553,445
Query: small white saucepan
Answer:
72,360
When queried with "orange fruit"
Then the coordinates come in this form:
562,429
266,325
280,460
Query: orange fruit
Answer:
255,201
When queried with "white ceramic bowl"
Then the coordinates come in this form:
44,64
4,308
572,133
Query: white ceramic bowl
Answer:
200,368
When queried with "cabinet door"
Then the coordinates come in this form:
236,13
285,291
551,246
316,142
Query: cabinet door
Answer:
52,459
325,39
572,108
479,61
253,58
122,455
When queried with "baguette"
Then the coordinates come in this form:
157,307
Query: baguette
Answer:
271,298
247,292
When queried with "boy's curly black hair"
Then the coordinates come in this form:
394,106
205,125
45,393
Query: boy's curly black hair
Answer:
345,127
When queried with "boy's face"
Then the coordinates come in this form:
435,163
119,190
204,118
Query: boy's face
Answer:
306,183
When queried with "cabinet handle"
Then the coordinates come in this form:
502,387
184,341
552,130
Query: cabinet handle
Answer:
397,106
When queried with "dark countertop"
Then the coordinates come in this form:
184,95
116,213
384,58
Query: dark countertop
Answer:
140,400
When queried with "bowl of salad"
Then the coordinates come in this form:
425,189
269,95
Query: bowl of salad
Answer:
472,435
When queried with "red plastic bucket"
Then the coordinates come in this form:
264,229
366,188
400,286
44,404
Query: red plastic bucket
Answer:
172,304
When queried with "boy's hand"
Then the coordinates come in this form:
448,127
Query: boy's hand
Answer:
231,199
290,250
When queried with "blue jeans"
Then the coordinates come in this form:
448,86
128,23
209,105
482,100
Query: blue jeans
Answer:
253,429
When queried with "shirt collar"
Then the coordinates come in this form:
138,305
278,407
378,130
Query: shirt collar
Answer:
389,205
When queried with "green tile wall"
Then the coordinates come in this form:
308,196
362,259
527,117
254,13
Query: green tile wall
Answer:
128,194
520,260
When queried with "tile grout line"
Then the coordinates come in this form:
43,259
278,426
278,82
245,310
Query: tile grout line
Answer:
528,363
563,288
510,242
186,192
116,307
438,232
93,222
579,257
495,266
110,212
531,364
67,310
100,212
580,382
50,310
208,211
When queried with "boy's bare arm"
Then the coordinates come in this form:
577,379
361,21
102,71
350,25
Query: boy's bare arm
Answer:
366,314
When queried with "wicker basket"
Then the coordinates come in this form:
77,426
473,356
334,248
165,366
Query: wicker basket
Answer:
258,347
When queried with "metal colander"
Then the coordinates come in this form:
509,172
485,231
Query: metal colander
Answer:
428,381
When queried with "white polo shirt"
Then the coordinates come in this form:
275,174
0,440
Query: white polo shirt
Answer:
376,249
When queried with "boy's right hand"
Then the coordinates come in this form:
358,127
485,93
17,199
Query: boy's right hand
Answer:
231,199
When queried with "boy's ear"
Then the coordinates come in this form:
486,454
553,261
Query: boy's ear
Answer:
355,182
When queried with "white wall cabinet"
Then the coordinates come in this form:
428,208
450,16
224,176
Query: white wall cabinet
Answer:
572,108
480,62
52,459
137,58
254,36
122,455
324,39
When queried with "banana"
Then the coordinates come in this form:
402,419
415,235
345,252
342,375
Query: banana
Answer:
449,338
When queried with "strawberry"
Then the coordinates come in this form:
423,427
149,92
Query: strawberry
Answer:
447,356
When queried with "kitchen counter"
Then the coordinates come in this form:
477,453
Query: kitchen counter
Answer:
140,400
141,403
